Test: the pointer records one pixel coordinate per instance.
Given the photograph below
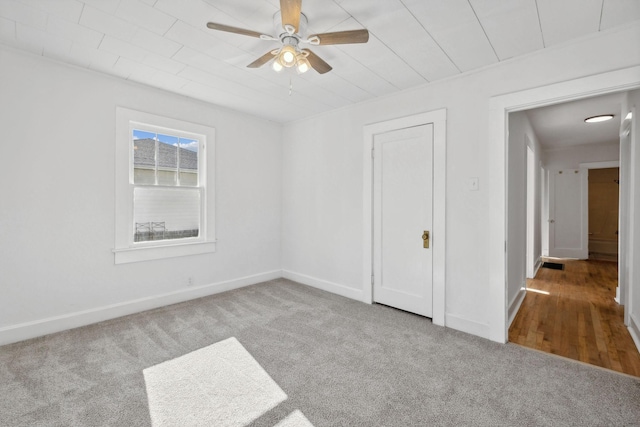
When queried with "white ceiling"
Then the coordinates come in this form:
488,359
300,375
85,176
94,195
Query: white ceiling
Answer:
563,125
165,43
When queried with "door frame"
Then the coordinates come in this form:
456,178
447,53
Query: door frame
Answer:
499,107
531,261
438,119
620,295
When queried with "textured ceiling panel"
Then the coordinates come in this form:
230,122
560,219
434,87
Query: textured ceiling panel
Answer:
511,26
619,12
455,27
166,44
69,10
74,32
24,14
567,19
145,16
7,30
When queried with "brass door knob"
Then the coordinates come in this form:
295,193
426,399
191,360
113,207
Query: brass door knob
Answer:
425,239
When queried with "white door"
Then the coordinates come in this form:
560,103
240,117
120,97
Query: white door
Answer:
568,232
402,213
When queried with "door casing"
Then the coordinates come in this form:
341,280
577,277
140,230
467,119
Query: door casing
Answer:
438,119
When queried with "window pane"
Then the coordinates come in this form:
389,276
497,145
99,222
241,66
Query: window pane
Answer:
144,176
144,157
167,160
167,177
189,162
165,213
188,179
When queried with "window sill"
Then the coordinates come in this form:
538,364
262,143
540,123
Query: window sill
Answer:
148,253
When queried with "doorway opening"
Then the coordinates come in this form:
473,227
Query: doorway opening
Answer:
572,312
499,225
604,201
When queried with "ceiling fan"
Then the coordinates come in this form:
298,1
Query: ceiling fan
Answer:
291,26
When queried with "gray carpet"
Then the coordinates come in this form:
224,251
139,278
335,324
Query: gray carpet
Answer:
340,362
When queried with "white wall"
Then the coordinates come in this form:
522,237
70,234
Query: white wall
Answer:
521,133
57,220
322,193
571,157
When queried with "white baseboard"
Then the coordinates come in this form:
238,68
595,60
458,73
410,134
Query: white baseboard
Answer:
634,330
570,253
515,305
451,321
324,285
24,331
465,325
537,266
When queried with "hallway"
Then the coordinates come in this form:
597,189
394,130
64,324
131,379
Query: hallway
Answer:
571,313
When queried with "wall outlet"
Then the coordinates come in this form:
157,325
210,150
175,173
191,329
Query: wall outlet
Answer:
190,281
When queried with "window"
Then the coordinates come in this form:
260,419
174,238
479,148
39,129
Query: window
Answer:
162,192
166,188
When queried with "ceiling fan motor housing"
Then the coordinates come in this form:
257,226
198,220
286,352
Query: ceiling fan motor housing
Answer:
290,40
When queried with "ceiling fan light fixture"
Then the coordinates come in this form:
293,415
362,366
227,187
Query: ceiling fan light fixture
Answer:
287,56
303,64
277,67
600,118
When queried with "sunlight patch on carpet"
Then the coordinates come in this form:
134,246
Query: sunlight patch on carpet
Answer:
295,419
219,385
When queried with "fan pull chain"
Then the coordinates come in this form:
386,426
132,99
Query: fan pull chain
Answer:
290,86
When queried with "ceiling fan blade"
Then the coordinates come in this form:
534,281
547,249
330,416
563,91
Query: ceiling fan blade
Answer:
290,10
340,37
235,30
317,63
262,60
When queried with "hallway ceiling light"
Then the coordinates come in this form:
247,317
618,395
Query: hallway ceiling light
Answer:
600,118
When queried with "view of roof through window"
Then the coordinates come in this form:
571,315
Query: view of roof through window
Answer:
159,157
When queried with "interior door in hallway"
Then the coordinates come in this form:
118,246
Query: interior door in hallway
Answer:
568,233
402,215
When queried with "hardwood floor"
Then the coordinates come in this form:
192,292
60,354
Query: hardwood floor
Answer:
572,313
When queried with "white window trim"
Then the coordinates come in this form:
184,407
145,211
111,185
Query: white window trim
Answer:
126,250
